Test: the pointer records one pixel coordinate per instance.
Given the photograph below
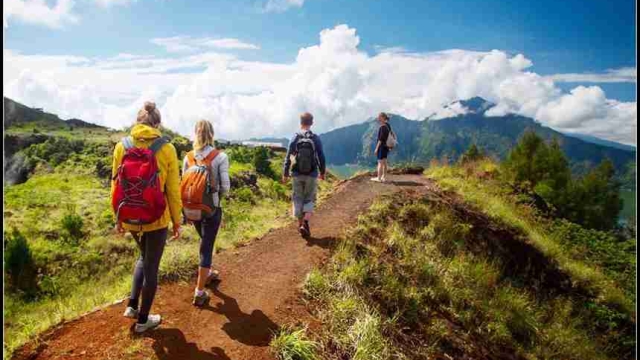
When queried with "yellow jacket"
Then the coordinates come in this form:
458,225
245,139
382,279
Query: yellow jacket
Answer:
167,158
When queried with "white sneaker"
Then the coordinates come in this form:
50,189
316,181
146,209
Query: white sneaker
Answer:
152,322
130,313
376,179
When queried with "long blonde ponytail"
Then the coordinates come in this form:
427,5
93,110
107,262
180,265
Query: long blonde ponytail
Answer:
204,135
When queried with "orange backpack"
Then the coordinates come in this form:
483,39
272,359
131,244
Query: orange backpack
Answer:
197,187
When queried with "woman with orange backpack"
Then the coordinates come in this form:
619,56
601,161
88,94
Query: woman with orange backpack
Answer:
145,195
205,178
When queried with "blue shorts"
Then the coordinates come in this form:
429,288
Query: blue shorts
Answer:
383,152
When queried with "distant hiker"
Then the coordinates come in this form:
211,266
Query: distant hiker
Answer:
308,166
386,141
205,178
145,194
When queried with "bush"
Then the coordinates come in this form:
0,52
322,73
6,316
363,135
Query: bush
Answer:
244,194
261,162
72,224
18,263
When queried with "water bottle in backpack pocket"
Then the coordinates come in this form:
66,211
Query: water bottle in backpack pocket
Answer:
197,187
138,198
305,156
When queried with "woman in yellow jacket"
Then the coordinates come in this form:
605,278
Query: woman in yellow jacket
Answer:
151,238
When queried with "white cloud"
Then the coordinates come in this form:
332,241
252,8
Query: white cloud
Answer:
107,3
38,12
622,75
179,44
334,80
281,5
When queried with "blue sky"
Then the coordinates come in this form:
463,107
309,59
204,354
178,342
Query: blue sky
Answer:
558,37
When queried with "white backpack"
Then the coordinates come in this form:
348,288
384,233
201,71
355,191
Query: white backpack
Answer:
392,139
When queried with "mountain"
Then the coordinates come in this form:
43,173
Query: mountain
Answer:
17,114
595,140
421,141
283,141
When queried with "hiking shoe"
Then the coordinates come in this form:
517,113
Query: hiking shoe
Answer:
303,231
201,300
152,322
307,228
214,275
376,179
130,313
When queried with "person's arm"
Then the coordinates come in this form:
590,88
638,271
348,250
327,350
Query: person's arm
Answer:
223,172
379,143
185,165
321,158
172,188
117,160
287,159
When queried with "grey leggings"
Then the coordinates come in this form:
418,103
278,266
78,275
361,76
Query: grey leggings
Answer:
145,274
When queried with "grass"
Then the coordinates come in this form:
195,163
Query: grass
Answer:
84,264
416,280
289,344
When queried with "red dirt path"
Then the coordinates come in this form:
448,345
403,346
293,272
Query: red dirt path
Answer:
259,291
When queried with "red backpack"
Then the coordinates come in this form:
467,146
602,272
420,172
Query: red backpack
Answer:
138,198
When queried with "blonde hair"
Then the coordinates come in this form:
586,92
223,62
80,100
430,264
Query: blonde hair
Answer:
149,115
204,135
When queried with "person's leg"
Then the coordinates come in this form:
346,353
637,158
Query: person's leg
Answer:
154,242
208,230
298,198
138,275
311,190
384,169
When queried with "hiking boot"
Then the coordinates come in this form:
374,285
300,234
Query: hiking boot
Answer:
303,231
307,228
201,300
214,275
152,322
130,313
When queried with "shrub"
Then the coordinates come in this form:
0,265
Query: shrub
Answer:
18,262
72,224
244,194
261,162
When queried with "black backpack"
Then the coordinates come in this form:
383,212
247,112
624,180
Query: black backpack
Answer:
306,161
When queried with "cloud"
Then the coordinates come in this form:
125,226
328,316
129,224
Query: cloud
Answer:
38,12
178,44
334,80
281,5
107,3
622,75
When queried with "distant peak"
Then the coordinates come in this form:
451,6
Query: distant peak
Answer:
474,105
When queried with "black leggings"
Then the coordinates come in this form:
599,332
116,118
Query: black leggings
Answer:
145,274
208,231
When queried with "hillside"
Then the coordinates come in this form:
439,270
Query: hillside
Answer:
62,257
421,141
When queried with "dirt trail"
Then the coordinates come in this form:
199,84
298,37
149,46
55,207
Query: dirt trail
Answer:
259,291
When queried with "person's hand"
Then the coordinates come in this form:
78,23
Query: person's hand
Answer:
284,179
176,232
119,229
321,176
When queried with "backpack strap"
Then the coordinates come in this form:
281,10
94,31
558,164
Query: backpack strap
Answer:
127,142
191,159
157,144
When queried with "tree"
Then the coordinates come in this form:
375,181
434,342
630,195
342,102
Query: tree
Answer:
472,154
601,202
523,163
